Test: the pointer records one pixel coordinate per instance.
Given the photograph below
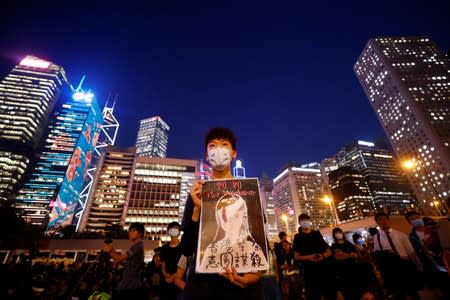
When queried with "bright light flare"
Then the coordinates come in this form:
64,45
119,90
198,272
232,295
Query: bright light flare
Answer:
408,164
31,61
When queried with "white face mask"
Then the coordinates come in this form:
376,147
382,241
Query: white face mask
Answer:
306,224
174,232
339,236
219,158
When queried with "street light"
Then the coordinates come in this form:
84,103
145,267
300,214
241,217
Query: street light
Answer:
410,164
330,202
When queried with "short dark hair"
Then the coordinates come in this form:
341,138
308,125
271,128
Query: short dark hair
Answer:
380,214
281,235
373,231
304,217
173,224
356,236
409,214
138,226
220,133
336,230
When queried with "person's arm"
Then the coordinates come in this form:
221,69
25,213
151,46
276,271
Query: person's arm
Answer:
443,233
118,257
178,277
341,255
190,224
241,280
406,244
167,276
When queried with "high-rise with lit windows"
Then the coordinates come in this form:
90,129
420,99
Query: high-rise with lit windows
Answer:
381,172
27,96
158,193
407,81
265,190
152,137
110,190
350,194
298,190
50,194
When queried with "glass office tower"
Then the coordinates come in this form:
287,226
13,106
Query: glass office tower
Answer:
27,96
152,137
50,194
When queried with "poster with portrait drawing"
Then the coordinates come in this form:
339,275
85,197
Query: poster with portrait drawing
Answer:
231,227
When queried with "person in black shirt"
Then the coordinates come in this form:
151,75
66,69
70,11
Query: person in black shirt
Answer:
346,267
313,252
220,144
170,255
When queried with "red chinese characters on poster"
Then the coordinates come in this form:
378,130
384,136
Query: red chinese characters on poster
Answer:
231,227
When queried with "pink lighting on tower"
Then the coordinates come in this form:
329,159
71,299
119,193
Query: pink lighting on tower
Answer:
34,62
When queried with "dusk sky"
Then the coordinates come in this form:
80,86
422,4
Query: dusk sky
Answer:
278,73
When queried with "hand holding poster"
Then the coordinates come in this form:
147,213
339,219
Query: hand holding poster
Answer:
231,227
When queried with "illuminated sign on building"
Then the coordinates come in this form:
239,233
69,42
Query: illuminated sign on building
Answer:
35,62
76,172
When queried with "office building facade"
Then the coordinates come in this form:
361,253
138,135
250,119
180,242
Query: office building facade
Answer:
407,81
152,137
265,190
159,190
27,96
382,174
350,194
110,190
298,190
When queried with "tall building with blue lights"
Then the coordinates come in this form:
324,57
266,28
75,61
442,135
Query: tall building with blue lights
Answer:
27,96
239,170
50,194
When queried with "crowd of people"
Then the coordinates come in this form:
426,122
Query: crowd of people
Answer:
387,264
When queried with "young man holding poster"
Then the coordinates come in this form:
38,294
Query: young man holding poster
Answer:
221,150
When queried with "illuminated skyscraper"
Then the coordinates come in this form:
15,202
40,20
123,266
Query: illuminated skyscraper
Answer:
265,190
239,170
111,186
107,137
58,174
407,81
152,137
351,195
298,190
381,172
27,96
159,190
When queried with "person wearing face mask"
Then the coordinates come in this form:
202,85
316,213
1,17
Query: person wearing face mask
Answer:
220,144
170,255
311,250
346,267
425,242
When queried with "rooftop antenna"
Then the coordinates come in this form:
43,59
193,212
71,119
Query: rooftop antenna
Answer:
80,84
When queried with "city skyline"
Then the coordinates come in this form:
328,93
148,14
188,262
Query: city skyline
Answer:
284,73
